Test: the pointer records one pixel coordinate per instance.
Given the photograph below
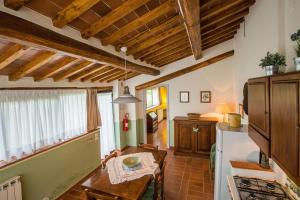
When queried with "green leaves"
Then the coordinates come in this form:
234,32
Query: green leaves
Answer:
274,59
296,37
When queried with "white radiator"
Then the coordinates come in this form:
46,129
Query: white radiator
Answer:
11,189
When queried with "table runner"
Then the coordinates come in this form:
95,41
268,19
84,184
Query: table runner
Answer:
118,175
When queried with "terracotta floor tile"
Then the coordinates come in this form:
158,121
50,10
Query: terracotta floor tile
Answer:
186,178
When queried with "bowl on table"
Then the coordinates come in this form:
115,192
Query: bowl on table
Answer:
132,163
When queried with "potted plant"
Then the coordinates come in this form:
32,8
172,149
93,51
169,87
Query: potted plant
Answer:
272,62
296,37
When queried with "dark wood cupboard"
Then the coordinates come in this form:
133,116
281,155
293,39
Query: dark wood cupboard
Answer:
194,137
285,123
258,112
274,119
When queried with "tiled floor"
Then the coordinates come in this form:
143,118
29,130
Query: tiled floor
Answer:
186,178
160,136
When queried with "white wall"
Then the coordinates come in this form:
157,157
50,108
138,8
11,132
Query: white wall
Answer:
268,28
217,78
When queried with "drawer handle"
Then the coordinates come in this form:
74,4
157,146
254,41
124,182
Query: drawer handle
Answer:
195,130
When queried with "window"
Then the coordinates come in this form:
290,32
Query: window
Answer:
34,119
107,129
153,97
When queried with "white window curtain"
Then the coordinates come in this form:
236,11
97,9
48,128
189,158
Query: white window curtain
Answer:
107,139
33,119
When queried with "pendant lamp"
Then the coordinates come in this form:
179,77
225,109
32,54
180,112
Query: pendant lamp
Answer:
126,97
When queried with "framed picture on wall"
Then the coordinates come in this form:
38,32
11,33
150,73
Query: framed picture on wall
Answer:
184,96
205,96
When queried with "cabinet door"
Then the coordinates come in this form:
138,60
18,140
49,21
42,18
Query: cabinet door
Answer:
203,139
285,124
184,137
258,105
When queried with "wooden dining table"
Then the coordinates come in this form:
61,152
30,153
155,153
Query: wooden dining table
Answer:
130,190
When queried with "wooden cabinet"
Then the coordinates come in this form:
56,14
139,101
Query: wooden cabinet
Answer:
285,123
274,119
194,137
258,105
258,111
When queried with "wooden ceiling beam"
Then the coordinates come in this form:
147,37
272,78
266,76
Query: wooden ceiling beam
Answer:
129,76
15,4
185,47
218,36
94,68
56,67
166,42
239,17
131,26
220,40
155,39
72,11
173,60
190,10
229,13
11,54
181,54
96,74
224,30
35,63
111,76
165,50
29,34
185,70
186,51
222,27
72,70
219,8
108,73
150,32
112,17
117,77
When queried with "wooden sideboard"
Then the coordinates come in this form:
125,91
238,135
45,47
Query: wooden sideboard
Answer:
194,137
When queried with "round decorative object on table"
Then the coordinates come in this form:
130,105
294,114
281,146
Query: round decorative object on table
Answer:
132,163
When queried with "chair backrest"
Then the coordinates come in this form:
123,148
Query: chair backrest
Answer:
112,155
159,183
148,146
95,196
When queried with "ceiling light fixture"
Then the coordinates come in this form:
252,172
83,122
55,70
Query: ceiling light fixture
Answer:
126,97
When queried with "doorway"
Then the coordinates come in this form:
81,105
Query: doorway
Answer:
157,116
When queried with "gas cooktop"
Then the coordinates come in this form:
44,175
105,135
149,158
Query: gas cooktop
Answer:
257,189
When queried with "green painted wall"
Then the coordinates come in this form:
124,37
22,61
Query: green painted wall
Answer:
51,173
119,136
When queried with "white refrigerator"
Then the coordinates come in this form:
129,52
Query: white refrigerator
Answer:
231,144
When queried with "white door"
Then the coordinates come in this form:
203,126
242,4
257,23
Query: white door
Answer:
107,134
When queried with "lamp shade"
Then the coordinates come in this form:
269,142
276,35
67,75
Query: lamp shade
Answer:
222,108
126,97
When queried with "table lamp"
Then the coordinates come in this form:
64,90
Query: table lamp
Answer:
223,109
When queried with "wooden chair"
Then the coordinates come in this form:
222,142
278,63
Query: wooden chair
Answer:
95,196
155,190
148,146
106,159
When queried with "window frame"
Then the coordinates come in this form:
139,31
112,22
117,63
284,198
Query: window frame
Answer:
159,98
